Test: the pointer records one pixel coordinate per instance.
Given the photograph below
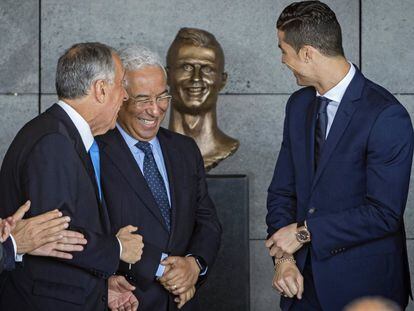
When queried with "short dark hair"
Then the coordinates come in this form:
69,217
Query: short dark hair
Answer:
80,66
196,37
311,23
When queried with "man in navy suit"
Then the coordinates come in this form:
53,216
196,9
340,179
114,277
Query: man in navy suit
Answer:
54,161
338,194
154,179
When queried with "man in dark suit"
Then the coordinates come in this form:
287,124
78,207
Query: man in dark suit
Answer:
54,161
154,179
340,185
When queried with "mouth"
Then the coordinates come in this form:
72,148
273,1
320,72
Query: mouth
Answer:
196,91
148,123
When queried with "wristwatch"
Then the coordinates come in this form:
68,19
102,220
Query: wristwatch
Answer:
200,262
302,234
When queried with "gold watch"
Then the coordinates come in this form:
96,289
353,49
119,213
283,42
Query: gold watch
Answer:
302,234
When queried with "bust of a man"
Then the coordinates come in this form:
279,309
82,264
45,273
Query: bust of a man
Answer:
195,65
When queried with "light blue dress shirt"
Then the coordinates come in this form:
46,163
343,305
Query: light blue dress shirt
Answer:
159,160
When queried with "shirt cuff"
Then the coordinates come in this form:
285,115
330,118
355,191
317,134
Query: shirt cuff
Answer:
17,257
161,268
120,247
201,272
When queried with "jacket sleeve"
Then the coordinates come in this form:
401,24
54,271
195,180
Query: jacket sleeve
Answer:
281,197
50,179
206,237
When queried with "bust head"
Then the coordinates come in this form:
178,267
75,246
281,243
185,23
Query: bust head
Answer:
195,64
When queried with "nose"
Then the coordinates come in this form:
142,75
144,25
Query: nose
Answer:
196,74
154,109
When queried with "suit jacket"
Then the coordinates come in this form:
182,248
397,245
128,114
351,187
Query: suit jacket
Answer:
354,202
47,162
195,227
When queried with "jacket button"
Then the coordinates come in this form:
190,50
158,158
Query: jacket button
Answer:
311,210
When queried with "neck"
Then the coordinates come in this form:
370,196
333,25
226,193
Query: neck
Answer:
330,72
83,107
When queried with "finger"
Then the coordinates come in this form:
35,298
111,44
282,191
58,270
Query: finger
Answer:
122,282
135,305
171,260
61,255
73,241
129,228
299,280
18,215
72,234
269,243
128,306
68,247
54,225
285,288
291,284
45,217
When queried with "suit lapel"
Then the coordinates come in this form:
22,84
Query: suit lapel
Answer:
310,141
116,149
172,160
342,118
74,135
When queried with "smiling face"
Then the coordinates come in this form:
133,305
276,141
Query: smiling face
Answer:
195,76
294,61
142,120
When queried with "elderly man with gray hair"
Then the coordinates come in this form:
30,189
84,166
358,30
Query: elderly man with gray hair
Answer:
155,179
54,161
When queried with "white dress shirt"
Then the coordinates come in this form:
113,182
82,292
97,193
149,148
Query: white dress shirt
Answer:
335,95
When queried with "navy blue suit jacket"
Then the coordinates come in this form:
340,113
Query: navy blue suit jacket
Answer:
195,228
47,162
354,202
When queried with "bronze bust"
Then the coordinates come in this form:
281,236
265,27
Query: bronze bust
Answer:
195,66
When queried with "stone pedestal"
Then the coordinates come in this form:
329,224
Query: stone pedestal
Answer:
228,285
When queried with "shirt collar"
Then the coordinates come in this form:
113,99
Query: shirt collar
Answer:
337,92
81,125
131,141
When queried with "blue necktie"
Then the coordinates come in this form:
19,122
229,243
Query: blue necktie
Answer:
94,154
321,126
155,182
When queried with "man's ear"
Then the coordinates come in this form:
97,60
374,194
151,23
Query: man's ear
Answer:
99,90
224,77
307,53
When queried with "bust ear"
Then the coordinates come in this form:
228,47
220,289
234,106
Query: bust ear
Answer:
224,77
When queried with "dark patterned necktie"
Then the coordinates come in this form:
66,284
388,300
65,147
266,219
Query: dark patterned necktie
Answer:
155,182
321,126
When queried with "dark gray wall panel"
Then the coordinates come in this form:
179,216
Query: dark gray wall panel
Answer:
257,121
245,29
387,43
15,111
19,46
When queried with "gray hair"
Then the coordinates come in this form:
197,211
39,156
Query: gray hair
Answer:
136,57
80,66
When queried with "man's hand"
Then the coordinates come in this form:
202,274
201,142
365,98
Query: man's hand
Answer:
288,280
181,274
183,298
284,240
120,296
6,225
132,244
71,241
31,233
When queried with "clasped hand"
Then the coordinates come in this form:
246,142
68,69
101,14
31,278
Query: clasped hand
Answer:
283,241
179,278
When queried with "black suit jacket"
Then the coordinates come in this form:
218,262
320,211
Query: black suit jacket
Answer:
195,227
47,162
